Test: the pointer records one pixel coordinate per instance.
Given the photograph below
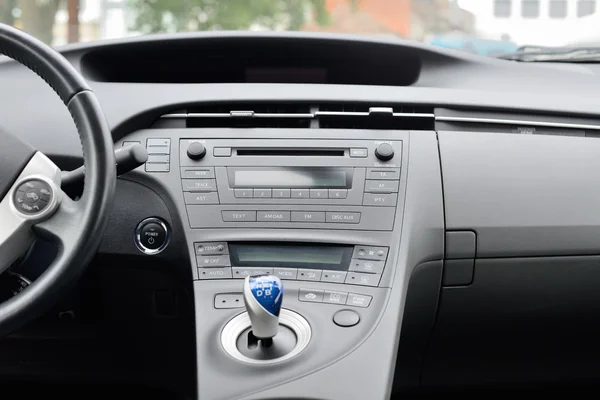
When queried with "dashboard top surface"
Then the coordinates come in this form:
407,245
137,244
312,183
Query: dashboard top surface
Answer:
445,79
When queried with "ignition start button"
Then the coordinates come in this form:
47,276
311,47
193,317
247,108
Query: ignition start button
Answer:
152,236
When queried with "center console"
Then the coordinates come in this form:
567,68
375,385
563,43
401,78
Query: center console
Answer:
340,217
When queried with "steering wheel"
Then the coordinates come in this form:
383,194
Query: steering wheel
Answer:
31,201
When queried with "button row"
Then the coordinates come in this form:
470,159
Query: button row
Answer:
209,270
290,193
291,216
332,297
159,151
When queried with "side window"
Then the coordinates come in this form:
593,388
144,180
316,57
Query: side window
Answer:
502,8
585,8
557,9
530,8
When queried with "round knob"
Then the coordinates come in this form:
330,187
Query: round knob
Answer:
384,152
196,151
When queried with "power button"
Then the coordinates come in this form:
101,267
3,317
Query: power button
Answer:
151,236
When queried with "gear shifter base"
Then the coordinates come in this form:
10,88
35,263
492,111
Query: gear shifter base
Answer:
267,349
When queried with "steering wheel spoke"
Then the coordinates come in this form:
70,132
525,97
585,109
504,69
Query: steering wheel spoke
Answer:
58,227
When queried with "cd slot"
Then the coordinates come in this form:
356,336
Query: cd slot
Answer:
290,152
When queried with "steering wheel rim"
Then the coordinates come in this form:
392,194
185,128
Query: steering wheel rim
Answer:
76,227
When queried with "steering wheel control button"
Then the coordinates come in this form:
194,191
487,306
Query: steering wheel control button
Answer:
384,152
196,151
346,318
32,196
311,295
358,300
152,236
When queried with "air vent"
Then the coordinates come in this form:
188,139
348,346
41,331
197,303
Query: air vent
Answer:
323,116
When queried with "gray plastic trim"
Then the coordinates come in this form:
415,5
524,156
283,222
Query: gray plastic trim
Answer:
241,322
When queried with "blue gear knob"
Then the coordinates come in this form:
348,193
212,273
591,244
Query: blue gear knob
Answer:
263,295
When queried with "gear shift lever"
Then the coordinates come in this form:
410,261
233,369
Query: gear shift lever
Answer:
263,295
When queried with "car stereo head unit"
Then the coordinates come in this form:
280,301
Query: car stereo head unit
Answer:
330,184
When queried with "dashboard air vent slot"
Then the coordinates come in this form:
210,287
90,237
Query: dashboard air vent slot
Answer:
294,115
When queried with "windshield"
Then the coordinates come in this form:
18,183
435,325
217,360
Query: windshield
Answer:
485,27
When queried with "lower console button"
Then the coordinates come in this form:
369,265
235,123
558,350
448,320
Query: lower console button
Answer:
343,217
242,272
346,318
239,216
335,297
380,200
373,267
285,273
214,273
358,300
273,216
333,276
309,275
311,295
211,249
201,198
308,216
357,278
213,261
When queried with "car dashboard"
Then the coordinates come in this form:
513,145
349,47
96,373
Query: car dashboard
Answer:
432,215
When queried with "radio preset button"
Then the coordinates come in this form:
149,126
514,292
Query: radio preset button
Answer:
343,217
332,297
281,193
311,295
286,273
338,193
213,261
273,216
198,173
358,278
359,300
239,216
383,173
370,266
370,253
210,249
201,198
381,186
359,153
380,200
214,273
300,193
242,193
333,276
262,193
242,272
318,193
308,216
199,185
309,275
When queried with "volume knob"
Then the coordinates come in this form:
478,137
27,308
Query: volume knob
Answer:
384,152
196,151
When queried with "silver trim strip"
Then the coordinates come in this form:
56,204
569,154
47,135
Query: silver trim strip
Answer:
235,327
316,114
517,122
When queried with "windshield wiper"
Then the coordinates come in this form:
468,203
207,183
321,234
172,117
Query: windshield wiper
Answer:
553,54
